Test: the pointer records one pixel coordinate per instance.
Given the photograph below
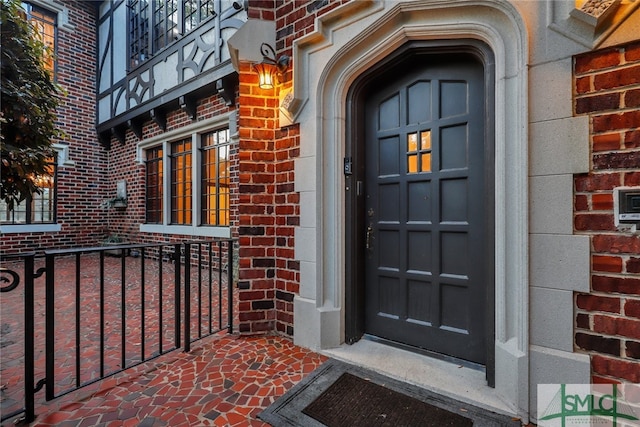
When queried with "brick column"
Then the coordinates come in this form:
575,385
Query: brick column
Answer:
287,210
607,87
256,213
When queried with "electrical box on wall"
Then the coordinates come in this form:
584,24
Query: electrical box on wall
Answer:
626,204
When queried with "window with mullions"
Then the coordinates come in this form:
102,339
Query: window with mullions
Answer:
165,23
40,208
215,178
196,11
181,188
154,186
154,24
188,182
138,31
44,22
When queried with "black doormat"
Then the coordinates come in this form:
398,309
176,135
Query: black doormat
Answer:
356,402
291,409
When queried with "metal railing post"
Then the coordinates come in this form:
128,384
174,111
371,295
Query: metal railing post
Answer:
50,329
29,339
230,267
177,314
182,252
187,297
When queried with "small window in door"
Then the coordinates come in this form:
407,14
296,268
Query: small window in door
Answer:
419,152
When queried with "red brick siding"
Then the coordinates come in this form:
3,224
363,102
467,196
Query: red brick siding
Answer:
268,212
93,178
607,84
256,210
295,19
80,186
287,213
269,207
122,165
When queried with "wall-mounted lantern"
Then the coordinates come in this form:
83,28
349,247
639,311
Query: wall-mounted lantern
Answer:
271,67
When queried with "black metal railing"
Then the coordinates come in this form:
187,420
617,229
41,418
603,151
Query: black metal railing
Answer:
110,309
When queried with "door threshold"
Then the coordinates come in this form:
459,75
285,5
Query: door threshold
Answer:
440,376
428,353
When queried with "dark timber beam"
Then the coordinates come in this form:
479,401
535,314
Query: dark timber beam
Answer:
226,88
120,134
159,117
136,127
188,105
105,139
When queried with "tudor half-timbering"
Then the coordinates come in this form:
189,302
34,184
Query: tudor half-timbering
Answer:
165,97
442,177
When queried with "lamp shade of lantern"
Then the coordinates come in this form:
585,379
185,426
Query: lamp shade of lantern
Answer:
266,75
271,67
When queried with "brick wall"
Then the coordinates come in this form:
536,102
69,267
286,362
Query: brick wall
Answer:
122,165
268,212
269,206
83,187
265,207
80,184
607,88
256,227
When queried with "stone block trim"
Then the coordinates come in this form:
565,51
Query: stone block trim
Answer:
607,326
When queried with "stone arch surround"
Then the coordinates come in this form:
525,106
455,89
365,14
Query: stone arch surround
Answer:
347,42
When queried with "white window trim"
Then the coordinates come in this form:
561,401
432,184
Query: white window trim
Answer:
63,154
194,130
30,228
63,160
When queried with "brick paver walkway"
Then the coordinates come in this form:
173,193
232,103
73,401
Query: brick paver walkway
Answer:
224,380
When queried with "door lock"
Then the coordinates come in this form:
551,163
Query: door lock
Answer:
368,238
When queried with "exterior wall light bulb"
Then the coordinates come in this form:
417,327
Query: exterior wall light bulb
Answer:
266,75
270,67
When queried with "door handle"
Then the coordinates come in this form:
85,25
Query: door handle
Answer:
368,238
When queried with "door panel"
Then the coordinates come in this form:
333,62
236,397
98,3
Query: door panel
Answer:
424,208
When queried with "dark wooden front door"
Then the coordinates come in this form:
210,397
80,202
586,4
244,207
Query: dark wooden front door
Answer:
424,209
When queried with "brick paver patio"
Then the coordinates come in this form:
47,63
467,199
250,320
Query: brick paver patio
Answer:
224,380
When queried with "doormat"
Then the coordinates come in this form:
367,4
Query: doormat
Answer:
292,409
353,401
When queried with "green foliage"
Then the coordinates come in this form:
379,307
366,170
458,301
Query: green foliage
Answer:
27,106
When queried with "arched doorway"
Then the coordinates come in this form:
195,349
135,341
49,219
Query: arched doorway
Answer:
419,202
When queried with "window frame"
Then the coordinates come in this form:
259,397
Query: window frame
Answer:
159,30
154,168
49,195
62,160
194,132
181,160
31,10
220,141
